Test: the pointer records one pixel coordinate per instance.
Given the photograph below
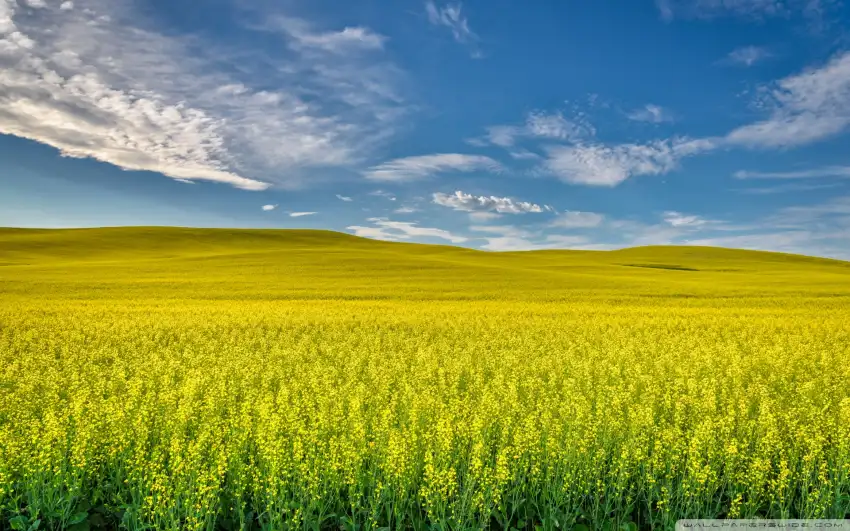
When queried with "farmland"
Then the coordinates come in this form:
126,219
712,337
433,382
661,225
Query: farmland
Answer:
157,378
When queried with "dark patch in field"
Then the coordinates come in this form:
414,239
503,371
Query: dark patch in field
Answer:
661,266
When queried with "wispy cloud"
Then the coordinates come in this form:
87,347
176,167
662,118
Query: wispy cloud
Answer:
512,243
551,242
268,208
829,171
375,233
301,214
451,16
419,167
677,219
386,229
405,210
340,42
538,125
600,165
92,80
524,154
344,198
651,113
577,220
502,135
471,203
747,56
806,107
787,188
555,126
511,238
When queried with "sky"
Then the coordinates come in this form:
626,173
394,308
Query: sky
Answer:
493,124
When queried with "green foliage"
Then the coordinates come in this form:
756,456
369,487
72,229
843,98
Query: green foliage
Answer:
155,378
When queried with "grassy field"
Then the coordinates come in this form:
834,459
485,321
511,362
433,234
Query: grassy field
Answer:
157,378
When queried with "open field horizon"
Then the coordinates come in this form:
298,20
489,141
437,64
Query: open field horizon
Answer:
374,268
431,265
170,378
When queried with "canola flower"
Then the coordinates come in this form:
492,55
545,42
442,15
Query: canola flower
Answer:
175,412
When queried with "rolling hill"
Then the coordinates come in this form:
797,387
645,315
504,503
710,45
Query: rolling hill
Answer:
153,262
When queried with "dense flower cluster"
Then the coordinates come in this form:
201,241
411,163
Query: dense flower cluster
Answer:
180,414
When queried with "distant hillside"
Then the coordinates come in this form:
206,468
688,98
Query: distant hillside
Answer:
203,263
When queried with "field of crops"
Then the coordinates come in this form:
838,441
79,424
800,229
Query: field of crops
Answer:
203,379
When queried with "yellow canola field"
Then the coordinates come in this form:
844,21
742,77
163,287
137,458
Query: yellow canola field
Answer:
193,379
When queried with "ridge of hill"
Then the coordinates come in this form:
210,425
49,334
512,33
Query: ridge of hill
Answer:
178,262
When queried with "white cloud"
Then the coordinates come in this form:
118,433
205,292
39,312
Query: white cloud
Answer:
747,55
600,165
651,113
450,16
806,107
386,229
268,207
413,230
555,126
511,238
471,203
405,210
510,243
540,125
93,82
829,171
677,219
524,154
344,198
67,5
515,243
787,188
503,135
577,220
301,214
375,233
346,41
414,168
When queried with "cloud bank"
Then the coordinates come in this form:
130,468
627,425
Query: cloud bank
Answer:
90,79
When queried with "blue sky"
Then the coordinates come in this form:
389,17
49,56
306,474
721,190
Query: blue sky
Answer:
494,124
